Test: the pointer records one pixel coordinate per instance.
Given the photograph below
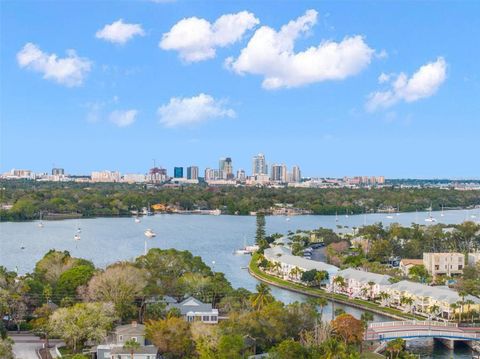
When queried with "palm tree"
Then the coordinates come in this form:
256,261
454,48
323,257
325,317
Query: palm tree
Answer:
433,309
295,272
384,296
453,307
132,345
408,301
339,281
262,297
371,284
276,267
364,291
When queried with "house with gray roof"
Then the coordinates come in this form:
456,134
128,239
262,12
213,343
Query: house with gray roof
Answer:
290,266
194,310
424,297
113,348
359,284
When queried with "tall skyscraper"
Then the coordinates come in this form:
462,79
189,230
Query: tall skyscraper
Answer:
278,173
178,172
192,173
228,169
58,172
296,174
259,166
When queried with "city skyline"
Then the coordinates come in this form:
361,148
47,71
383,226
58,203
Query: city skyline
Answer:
120,86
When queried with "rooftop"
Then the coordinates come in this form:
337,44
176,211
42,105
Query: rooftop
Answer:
283,255
365,277
440,293
414,262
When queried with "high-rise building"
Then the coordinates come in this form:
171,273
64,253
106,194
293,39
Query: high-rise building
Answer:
157,175
241,176
178,172
209,174
259,166
105,176
192,173
278,173
296,174
227,169
58,172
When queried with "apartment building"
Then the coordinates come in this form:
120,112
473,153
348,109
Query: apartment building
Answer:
444,263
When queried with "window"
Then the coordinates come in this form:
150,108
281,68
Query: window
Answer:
189,318
134,339
120,338
213,318
437,267
205,318
460,267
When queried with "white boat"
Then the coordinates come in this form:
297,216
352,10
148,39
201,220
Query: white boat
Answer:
137,220
442,214
288,219
246,249
150,233
76,237
216,212
336,216
430,218
41,225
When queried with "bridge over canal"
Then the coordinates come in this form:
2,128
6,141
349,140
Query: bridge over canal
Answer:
445,332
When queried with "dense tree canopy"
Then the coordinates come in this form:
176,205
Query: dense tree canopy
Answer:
29,199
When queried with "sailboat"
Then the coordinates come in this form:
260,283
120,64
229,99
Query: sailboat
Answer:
442,214
246,249
76,237
137,219
336,216
430,218
398,209
346,213
79,229
40,225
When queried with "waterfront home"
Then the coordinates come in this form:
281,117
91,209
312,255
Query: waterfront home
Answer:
291,267
358,284
444,263
113,347
193,310
435,301
407,264
148,352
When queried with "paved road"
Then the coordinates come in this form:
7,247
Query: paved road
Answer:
26,345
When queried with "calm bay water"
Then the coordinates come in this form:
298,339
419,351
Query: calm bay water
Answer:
214,238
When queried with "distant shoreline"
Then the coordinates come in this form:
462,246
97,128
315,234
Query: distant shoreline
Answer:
61,216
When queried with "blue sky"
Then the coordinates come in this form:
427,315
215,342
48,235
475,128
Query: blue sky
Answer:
347,88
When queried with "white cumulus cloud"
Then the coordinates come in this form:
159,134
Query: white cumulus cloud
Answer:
188,111
123,118
119,32
69,71
196,39
271,54
422,84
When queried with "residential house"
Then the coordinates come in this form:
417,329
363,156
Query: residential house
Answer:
444,263
193,310
145,352
473,258
291,267
425,298
358,283
113,348
407,264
